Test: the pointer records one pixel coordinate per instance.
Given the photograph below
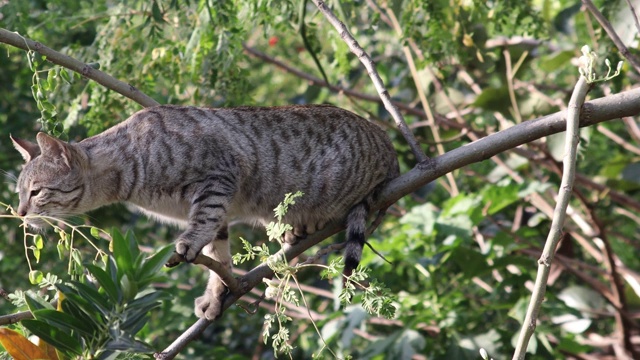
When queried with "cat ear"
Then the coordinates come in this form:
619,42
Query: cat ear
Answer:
54,148
27,149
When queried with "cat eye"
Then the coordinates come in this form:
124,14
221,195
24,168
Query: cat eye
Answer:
34,192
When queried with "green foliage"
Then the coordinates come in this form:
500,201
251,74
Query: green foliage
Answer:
100,314
376,298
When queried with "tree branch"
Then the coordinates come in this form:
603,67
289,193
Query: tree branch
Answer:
572,139
225,275
81,68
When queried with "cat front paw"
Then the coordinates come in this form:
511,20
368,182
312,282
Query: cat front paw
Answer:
188,249
209,305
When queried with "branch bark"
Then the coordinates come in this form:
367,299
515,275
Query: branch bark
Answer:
572,139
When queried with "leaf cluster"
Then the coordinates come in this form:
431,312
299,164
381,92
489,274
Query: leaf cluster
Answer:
99,315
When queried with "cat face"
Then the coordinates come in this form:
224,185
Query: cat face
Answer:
50,184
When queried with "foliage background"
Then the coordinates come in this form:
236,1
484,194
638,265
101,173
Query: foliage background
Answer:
463,254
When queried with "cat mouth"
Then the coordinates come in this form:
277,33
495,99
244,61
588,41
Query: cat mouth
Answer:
35,223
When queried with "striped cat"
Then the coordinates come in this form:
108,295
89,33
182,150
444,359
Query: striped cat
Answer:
201,167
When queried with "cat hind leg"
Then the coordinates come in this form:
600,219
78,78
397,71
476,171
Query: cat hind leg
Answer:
209,305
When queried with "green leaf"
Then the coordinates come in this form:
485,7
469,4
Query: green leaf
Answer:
95,232
156,12
64,321
54,336
472,262
105,282
129,288
36,254
153,264
93,319
38,242
51,79
122,254
135,322
61,250
64,74
86,304
91,293
499,197
556,61
126,344
494,99
35,303
134,249
35,277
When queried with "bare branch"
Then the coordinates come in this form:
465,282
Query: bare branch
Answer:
15,318
81,68
559,214
213,265
612,34
365,59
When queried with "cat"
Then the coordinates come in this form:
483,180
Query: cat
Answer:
200,167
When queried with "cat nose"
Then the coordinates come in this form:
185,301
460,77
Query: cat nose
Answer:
22,211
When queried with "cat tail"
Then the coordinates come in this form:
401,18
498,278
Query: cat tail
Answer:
356,232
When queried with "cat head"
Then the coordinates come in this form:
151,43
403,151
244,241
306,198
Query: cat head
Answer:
51,182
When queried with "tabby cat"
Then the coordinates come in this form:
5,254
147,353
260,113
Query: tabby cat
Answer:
200,167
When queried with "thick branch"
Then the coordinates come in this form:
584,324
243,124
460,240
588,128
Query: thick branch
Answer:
593,112
213,265
81,68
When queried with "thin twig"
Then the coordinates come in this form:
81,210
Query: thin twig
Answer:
635,16
612,34
624,324
511,74
618,139
15,318
19,316
365,59
81,68
555,233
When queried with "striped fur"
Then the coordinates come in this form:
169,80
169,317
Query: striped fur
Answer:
199,167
